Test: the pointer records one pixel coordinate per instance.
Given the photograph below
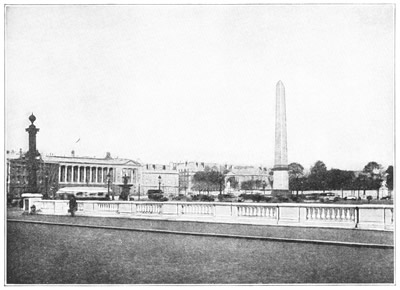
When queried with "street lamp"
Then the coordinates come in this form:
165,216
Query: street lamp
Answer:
159,182
46,182
108,185
264,184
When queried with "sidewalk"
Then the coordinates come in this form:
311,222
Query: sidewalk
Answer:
242,230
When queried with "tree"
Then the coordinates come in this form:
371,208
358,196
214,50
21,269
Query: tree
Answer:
247,185
372,168
389,177
318,176
360,182
340,179
374,176
208,180
48,179
233,182
296,171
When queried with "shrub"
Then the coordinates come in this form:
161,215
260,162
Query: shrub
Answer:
157,197
226,197
179,197
283,198
204,197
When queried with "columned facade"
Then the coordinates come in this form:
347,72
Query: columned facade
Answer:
84,175
73,171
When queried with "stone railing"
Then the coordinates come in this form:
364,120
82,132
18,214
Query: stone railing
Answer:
380,217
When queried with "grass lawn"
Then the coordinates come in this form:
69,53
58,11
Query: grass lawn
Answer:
38,254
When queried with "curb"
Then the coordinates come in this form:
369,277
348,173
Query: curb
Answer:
276,239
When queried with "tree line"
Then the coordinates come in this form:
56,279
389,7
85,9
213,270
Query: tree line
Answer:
318,178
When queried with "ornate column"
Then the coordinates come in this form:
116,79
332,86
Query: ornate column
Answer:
33,156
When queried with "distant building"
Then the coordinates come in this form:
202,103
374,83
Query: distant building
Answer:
159,176
188,169
18,174
245,173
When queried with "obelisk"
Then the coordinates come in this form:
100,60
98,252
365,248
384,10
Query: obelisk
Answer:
281,169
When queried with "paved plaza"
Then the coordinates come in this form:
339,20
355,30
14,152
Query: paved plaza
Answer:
60,254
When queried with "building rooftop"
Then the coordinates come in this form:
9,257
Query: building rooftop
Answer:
90,160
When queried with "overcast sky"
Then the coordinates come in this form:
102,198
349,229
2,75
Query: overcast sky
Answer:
177,83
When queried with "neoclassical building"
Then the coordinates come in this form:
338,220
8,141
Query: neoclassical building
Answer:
88,171
56,172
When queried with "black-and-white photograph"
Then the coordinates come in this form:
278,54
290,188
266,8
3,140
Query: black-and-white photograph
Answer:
199,144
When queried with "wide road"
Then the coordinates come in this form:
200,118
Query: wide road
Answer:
53,254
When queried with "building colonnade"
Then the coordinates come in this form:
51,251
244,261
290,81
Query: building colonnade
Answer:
85,174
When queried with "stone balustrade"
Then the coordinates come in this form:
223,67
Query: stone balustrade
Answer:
377,217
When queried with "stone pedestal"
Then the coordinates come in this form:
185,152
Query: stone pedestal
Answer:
29,199
383,191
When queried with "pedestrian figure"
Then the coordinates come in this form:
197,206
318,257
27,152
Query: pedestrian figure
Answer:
73,205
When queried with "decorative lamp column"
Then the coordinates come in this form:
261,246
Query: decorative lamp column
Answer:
33,155
108,185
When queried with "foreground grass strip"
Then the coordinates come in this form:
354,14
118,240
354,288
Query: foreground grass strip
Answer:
289,240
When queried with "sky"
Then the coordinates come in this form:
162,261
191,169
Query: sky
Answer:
169,83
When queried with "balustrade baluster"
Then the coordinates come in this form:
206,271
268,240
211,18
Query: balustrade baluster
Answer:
342,214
